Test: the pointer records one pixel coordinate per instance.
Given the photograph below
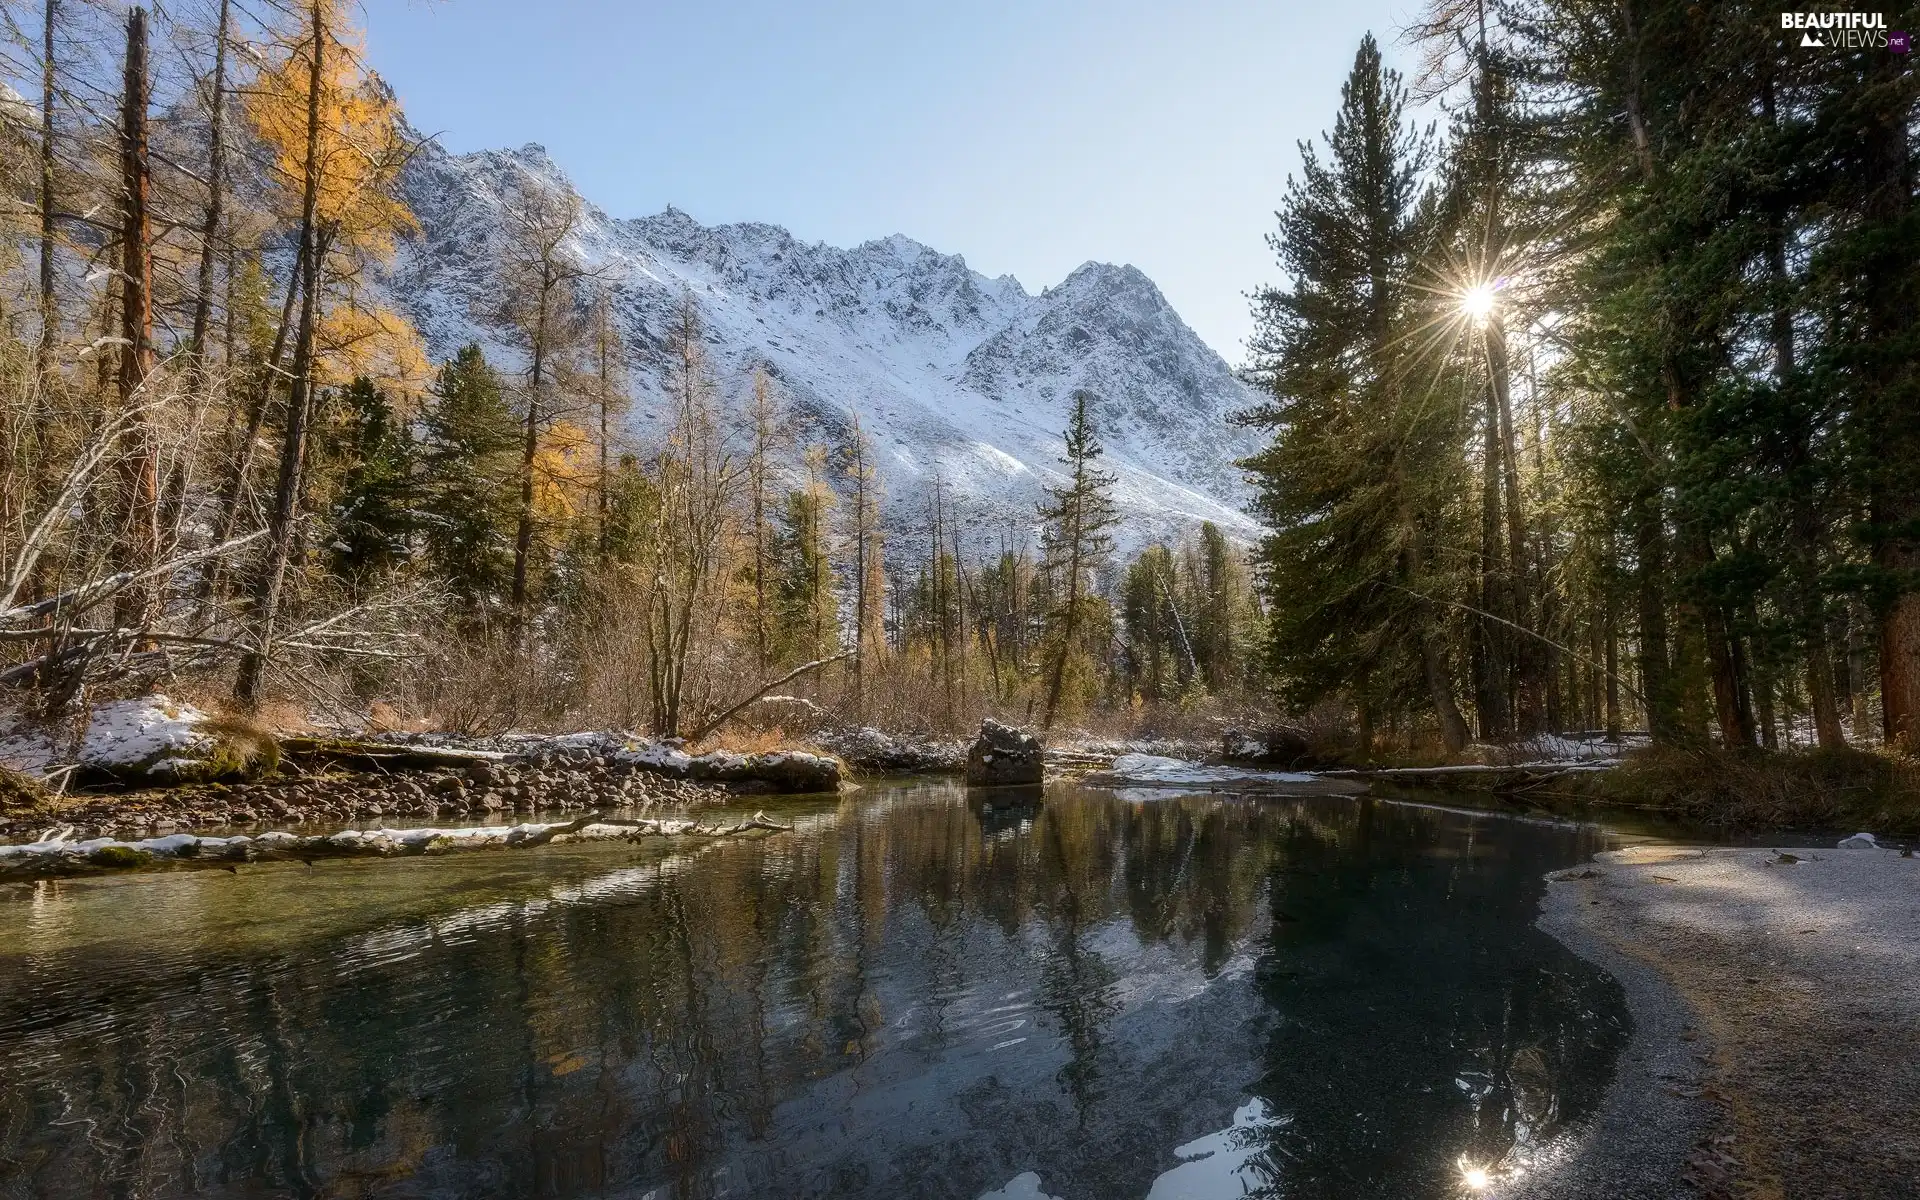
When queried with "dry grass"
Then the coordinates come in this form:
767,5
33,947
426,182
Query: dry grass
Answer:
744,740
20,794
1755,789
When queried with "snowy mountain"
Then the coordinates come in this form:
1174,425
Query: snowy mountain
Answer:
951,373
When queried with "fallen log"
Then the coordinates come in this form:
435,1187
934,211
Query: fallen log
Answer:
381,756
58,856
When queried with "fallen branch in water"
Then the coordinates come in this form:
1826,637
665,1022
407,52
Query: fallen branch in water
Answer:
57,856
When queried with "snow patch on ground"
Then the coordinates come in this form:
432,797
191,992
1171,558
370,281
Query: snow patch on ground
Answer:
152,730
1152,768
161,733
25,747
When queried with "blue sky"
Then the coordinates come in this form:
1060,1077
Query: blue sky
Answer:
1028,136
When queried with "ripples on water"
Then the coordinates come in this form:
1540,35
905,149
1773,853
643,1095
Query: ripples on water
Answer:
1173,996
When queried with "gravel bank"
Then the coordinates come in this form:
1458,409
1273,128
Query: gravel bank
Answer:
1777,1040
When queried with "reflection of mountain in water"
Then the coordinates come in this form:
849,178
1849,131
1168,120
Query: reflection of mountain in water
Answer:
893,1001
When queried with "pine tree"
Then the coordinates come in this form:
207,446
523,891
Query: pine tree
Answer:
868,565
373,519
1075,522
1223,616
805,602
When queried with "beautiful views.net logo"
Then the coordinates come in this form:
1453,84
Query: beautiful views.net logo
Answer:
1845,31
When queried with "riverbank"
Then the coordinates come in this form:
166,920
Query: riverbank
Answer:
1756,789
1777,1031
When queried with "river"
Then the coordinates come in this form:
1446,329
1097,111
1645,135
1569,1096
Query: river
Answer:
1109,994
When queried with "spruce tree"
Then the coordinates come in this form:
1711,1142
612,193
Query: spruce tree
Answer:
1076,523
373,519
470,506
1355,483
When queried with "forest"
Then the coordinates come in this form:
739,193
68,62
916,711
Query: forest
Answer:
230,470
1588,393
1593,398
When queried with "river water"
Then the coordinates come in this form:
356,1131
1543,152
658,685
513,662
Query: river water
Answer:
1110,994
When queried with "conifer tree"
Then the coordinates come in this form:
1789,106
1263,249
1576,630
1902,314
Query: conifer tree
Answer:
1076,523
1356,481
373,519
805,599
470,472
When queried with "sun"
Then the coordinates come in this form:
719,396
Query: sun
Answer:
1477,301
1477,1178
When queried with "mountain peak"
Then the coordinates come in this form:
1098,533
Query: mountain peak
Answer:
951,373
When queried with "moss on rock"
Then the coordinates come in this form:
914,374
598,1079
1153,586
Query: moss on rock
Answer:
224,749
119,856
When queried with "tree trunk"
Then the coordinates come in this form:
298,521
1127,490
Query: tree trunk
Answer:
141,538
49,302
216,185
1069,627
1892,303
529,450
312,246
1491,688
603,346
1526,658
1657,684
259,396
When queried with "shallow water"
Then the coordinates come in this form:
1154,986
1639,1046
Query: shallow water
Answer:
1135,994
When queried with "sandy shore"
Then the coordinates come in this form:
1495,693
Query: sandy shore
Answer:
1776,1001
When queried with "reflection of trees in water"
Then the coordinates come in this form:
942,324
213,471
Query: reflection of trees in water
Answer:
652,1034
1405,933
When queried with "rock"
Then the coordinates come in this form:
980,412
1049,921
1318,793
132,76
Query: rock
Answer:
795,773
151,741
868,749
1279,747
1002,756
788,772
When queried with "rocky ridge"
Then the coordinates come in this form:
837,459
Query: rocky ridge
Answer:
953,374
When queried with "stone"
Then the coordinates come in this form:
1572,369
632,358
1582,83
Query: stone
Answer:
1003,756
152,741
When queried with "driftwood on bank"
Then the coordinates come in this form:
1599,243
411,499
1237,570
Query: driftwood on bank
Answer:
55,855
381,756
1481,776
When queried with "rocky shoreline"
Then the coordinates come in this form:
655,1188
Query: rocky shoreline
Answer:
430,779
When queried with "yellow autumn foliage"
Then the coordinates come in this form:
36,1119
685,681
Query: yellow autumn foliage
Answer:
564,467
361,150
375,342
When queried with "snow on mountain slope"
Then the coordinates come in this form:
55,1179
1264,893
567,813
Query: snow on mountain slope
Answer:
951,373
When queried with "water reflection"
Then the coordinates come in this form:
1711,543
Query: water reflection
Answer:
911,995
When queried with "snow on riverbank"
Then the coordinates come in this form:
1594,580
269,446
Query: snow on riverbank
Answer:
148,740
1175,772
53,853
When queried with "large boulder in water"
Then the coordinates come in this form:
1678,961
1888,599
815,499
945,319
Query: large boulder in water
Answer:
1002,756
1278,747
